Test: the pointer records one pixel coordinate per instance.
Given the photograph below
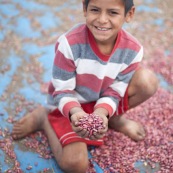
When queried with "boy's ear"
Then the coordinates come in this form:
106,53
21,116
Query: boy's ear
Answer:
84,8
130,14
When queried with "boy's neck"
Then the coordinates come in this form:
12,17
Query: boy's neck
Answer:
103,51
106,49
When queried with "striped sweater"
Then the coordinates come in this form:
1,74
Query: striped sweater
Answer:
82,74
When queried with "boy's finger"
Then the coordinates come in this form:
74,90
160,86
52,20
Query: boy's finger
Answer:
101,131
86,134
82,133
76,129
76,123
99,135
96,136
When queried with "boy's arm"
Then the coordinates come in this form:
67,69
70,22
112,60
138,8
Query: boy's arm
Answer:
110,98
64,78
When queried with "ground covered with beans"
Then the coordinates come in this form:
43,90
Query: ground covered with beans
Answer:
29,32
120,153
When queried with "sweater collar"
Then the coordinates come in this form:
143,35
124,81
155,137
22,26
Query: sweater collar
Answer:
95,48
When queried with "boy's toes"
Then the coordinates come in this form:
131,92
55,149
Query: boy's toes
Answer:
140,135
14,136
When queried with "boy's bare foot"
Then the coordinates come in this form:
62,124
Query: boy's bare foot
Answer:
128,127
30,123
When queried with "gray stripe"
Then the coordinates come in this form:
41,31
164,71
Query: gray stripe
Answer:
61,74
58,97
84,51
87,94
114,99
125,78
125,56
50,99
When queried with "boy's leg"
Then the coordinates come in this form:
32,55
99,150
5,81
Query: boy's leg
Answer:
142,86
72,158
30,123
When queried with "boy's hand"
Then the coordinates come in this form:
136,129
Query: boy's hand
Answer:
102,131
103,114
76,115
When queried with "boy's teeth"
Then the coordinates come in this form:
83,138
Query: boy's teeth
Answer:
102,29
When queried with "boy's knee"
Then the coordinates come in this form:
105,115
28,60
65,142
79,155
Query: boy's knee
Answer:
146,81
77,164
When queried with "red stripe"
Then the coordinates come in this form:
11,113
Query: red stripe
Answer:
77,36
89,81
56,46
68,106
62,92
129,42
107,82
130,68
64,63
51,88
111,93
106,106
92,82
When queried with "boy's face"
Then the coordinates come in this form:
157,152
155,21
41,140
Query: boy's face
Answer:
105,18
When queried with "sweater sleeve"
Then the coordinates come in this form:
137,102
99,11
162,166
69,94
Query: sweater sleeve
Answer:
112,95
64,78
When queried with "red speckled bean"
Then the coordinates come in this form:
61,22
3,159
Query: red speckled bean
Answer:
92,123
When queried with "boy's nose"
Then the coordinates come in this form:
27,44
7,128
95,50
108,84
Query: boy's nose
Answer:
102,18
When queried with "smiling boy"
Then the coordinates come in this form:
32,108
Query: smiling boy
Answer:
96,70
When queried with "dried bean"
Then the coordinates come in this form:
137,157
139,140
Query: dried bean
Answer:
92,123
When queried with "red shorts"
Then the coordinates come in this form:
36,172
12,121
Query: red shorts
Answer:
63,129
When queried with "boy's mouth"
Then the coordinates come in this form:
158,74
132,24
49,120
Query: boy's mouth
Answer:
102,29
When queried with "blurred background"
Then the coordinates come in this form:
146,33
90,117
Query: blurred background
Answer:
28,32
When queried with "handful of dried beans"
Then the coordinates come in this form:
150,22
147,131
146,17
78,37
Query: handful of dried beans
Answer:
92,123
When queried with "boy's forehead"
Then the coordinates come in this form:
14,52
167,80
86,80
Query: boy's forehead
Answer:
115,1
107,2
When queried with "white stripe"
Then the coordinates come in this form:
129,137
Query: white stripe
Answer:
87,66
80,98
122,108
50,107
63,85
117,112
99,140
79,138
66,135
137,59
70,133
64,47
119,87
108,101
70,138
66,100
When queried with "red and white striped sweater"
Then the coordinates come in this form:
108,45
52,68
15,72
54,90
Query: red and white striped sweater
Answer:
82,74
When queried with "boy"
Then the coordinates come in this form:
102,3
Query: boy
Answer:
96,70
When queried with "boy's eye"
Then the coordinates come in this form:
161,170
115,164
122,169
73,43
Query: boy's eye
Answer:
94,10
113,12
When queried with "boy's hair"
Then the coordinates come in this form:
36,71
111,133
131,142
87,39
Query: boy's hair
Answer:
127,3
